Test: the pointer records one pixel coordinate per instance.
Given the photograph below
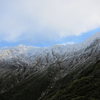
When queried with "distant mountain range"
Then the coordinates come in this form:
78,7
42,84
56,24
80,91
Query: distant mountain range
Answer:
61,72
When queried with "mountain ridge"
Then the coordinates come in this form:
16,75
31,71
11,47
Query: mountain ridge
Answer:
54,74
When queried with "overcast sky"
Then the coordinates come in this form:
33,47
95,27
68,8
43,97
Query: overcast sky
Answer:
47,22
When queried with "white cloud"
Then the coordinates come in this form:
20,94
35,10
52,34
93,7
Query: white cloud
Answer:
70,43
49,19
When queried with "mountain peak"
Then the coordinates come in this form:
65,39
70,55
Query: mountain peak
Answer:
95,36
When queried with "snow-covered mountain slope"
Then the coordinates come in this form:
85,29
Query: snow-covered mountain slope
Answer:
35,69
30,55
90,40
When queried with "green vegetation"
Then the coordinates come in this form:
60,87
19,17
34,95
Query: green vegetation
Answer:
78,85
85,87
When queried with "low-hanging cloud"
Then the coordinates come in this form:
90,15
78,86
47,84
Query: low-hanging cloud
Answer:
47,20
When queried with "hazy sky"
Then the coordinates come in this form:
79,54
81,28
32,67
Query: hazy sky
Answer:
47,22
